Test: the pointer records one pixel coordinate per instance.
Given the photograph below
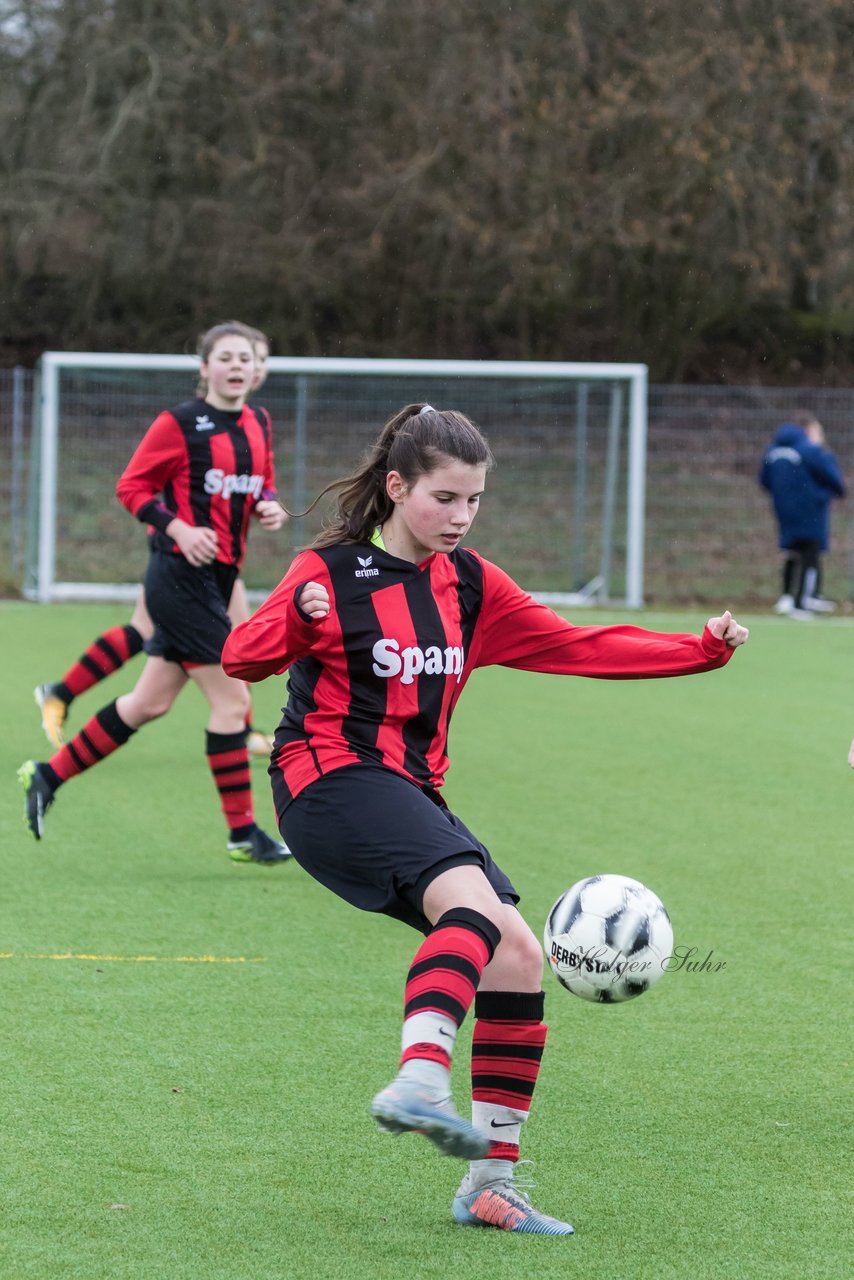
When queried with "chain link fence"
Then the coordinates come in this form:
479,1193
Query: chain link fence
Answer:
710,533
16,415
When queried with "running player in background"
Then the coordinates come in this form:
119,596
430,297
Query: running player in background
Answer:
379,625
110,651
200,472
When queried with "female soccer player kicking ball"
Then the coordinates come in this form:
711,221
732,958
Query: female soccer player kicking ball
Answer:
380,625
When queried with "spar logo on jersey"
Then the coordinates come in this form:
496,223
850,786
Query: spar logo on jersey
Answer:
217,481
366,571
391,661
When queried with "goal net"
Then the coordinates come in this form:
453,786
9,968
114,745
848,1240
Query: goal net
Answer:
563,513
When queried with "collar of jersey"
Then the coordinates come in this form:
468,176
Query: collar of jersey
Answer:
377,541
231,416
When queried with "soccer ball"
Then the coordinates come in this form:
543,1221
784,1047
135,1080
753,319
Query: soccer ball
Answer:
608,938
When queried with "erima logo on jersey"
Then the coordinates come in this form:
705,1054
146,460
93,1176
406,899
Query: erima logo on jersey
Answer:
366,571
204,423
390,661
216,481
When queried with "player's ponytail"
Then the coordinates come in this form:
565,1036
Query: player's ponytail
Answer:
414,442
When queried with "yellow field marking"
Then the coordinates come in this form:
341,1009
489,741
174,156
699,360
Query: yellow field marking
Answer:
73,955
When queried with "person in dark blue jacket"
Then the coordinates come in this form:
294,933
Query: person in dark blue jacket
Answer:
803,477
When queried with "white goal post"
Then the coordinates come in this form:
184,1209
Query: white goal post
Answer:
580,428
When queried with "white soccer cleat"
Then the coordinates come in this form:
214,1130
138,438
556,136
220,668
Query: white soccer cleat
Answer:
502,1204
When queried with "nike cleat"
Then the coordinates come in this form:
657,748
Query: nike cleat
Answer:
503,1205
54,712
407,1107
39,796
259,847
259,744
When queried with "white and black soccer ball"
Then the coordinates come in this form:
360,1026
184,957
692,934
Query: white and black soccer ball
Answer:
607,939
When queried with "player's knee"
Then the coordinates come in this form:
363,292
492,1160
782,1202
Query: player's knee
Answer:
137,711
523,952
243,701
233,703
154,708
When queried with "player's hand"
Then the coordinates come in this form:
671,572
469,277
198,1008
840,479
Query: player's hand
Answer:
726,628
314,600
197,545
271,514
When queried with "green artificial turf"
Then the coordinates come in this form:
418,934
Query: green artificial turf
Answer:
189,1047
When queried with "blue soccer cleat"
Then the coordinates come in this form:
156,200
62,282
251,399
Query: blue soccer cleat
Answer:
407,1106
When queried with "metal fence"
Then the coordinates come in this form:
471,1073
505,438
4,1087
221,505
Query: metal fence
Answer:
710,535
16,410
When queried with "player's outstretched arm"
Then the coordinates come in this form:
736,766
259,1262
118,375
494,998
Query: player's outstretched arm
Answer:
726,628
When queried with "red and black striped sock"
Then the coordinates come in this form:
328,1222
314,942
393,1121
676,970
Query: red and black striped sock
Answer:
104,656
99,737
442,982
507,1047
229,764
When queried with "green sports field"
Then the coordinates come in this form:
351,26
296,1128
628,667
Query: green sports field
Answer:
189,1047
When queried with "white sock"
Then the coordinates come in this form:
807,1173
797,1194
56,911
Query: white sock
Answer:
482,1172
432,1075
501,1124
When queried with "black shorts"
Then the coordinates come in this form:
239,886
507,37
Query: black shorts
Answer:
377,841
189,608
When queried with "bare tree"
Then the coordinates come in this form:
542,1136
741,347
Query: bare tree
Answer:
633,180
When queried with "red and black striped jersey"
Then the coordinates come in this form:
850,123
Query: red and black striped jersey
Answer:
206,465
377,680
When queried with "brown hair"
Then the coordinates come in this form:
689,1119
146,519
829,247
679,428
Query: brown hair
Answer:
414,442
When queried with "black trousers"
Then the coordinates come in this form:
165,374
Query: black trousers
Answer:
802,570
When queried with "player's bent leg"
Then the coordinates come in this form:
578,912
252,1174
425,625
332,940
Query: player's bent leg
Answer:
500,1201
107,654
102,735
440,988
154,693
518,961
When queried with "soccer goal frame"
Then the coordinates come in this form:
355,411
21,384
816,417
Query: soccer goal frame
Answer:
627,405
